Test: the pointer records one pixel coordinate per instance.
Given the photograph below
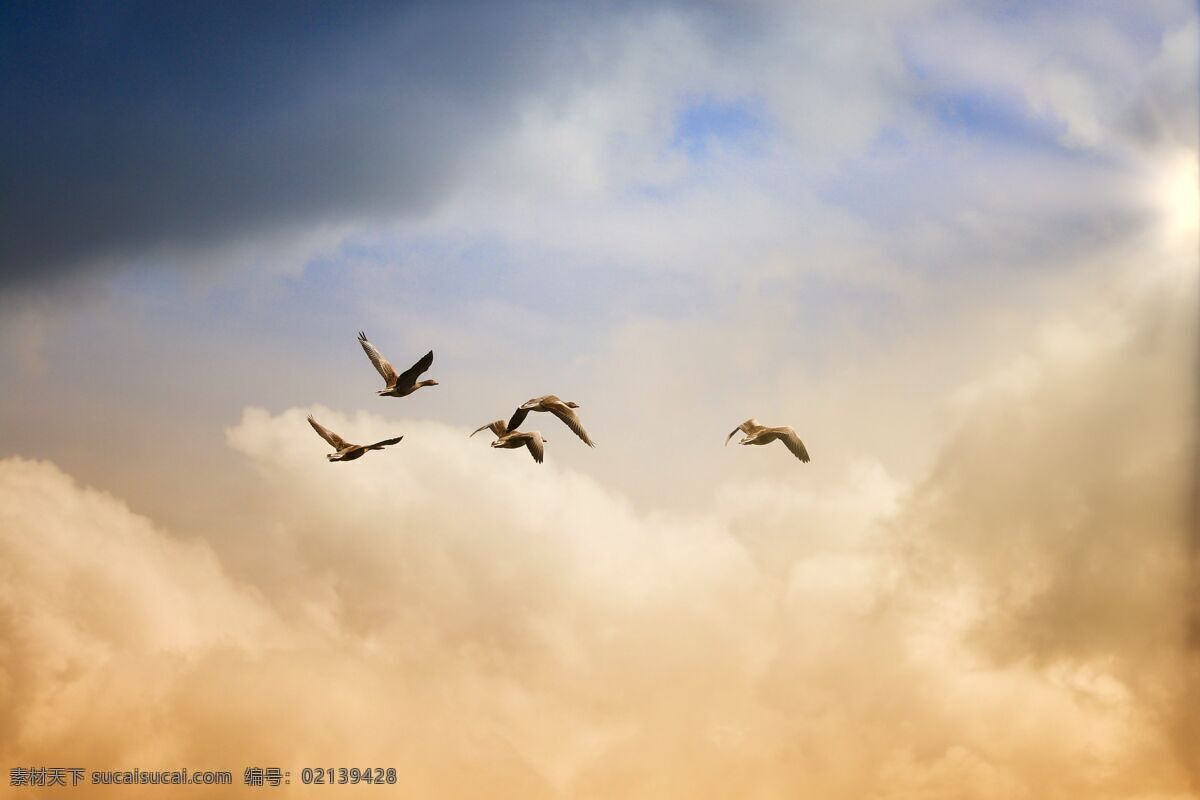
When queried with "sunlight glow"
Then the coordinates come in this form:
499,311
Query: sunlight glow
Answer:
1179,196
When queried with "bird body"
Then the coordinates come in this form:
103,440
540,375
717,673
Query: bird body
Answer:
345,451
563,410
397,384
512,439
761,434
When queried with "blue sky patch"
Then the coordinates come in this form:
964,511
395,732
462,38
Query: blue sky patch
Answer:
705,121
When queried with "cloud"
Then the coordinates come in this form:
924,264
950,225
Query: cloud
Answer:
1086,77
982,596
148,133
97,606
1010,625
147,136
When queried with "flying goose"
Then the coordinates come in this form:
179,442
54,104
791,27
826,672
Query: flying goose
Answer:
761,434
404,383
512,439
345,450
564,411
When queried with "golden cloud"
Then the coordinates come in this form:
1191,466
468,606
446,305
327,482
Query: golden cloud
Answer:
1012,625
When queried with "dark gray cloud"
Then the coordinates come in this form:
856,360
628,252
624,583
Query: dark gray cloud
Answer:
137,126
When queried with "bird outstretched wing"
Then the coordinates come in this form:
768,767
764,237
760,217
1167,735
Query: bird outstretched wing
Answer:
568,415
537,447
386,442
382,364
517,418
749,426
410,375
335,441
496,427
793,443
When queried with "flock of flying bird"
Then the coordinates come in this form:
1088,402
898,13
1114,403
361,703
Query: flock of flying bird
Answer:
402,384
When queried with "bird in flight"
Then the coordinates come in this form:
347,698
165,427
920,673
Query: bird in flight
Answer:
401,384
564,411
512,439
761,434
345,450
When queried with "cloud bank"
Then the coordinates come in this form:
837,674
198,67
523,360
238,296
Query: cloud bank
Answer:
139,134
142,131
1011,625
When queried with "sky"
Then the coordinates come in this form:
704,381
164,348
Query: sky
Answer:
956,245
